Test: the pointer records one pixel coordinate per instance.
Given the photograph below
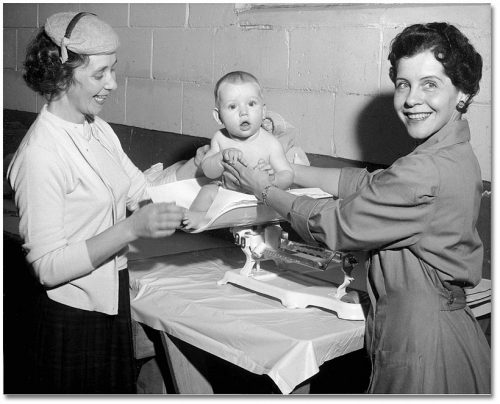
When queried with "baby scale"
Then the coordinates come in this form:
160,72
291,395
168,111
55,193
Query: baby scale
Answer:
289,280
257,231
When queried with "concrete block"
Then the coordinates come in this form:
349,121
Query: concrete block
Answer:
154,104
157,15
258,50
388,34
312,113
114,109
335,59
480,122
185,55
47,9
482,42
292,15
115,14
9,48
461,15
211,15
197,106
16,15
134,53
24,37
367,129
16,94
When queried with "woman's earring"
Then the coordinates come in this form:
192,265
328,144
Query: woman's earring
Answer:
461,106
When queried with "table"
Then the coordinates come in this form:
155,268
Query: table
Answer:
178,295
153,262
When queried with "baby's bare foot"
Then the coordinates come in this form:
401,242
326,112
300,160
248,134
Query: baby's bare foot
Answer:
193,219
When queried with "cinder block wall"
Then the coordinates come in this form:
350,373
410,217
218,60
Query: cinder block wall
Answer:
324,67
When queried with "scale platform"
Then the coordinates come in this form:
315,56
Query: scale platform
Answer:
256,229
296,290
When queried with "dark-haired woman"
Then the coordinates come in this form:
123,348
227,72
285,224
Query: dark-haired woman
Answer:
417,218
73,184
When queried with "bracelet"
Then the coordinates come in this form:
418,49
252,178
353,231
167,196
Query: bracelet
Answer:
265,191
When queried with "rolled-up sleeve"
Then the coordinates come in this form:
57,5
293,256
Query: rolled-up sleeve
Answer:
352,179
388,209
302,208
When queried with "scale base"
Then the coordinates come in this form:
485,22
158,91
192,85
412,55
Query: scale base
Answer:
298,291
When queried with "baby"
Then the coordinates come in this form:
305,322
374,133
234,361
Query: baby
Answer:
239,106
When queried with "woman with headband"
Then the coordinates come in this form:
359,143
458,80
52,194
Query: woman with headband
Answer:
73,184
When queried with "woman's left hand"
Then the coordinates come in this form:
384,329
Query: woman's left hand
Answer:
250,180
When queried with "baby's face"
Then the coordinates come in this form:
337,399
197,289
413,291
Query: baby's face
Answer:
241,108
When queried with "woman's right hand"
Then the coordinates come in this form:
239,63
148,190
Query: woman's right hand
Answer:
248,179
156,220
151,221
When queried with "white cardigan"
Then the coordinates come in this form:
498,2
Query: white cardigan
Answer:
64,199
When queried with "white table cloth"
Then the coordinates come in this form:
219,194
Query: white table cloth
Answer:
178,294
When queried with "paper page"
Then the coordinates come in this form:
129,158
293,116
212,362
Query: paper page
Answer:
184,192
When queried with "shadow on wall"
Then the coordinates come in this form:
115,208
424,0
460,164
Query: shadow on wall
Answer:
380,135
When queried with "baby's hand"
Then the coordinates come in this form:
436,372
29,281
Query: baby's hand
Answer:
232,155
263,165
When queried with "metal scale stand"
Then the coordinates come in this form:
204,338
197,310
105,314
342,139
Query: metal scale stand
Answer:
291,284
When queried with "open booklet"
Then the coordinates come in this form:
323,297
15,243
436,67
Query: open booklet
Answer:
229,208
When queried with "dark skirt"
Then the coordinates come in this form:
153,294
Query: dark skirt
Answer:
84,352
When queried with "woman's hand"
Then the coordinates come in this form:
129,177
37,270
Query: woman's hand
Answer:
249,179
156,220
153,221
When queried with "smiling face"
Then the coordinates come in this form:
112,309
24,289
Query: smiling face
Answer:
92,83
240,109
425,98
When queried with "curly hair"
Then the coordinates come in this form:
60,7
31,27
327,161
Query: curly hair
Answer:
461,62
43,70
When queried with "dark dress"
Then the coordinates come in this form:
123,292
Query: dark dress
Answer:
417,219
84,352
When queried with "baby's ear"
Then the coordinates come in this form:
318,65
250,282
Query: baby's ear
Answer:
264,111
216,115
